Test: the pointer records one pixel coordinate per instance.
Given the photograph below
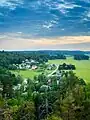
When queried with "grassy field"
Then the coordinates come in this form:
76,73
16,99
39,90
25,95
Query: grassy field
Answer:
30,73
26,73
82,67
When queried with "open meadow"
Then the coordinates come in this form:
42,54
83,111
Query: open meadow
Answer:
30,73
26,73
82,67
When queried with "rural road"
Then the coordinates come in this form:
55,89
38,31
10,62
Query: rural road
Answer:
53,71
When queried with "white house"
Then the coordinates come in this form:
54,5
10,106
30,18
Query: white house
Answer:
34,67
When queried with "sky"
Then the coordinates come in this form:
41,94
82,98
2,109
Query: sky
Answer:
44,24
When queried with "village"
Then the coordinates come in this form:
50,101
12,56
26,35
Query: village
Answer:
33,65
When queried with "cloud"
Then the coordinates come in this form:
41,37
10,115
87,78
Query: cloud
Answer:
67,6
11,42
88,14
64,7
50,24
85,19
19,32
10,4
63,11
45,17
62,29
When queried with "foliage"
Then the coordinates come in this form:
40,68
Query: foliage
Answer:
65,66
26,111
81,57
56,98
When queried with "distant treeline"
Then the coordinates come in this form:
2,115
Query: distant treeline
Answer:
81,57
65,52
57,56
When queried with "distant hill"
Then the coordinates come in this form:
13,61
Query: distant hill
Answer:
54,52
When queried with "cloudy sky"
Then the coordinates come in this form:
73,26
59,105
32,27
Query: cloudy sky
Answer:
44,24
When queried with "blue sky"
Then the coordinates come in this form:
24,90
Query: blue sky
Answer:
36,19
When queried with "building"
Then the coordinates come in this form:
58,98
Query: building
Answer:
34,67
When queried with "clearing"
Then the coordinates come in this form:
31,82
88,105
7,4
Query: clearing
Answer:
82,67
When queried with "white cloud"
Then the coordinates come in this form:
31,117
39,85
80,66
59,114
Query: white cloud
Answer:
11,4
48,26
65,42
63,11
62,29
63,7
54,22
88,14
85,19
67,6
19,32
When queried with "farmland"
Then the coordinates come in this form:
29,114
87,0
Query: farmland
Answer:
82,67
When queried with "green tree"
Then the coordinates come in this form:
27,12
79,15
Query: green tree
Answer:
26,111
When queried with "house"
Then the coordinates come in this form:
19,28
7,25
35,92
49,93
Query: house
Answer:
27,66
51,67
24,66
34,67
26,60
32,61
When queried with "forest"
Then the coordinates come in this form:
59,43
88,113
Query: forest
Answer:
63,97
81,57
57,98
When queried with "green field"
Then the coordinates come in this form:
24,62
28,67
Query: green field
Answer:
82,67
26,73
30,73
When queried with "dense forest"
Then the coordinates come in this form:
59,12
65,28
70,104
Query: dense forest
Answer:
58,98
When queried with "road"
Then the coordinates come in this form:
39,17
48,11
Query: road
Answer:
51,74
